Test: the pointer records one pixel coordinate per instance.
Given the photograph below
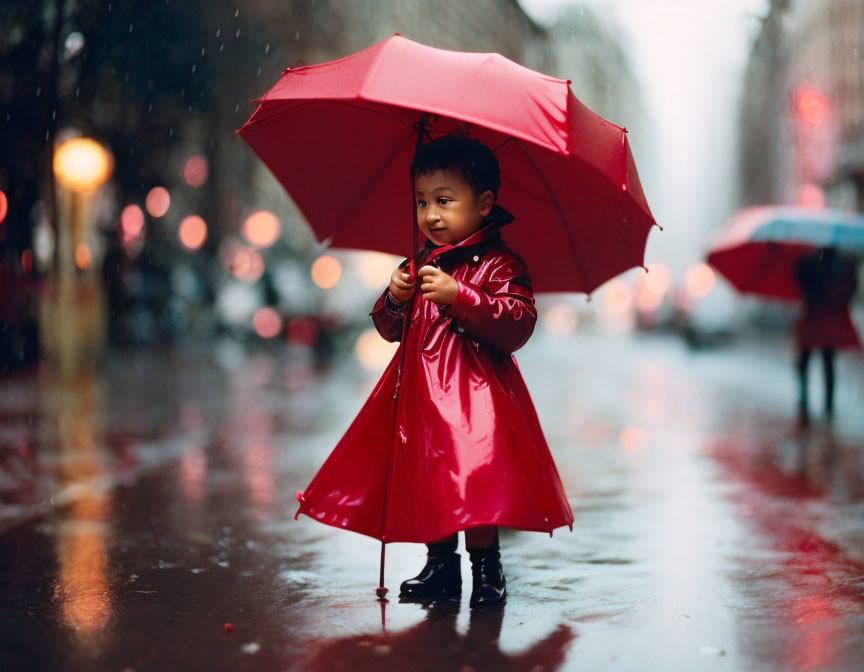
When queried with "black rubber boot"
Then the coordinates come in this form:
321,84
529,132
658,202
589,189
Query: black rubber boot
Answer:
489,586
441,577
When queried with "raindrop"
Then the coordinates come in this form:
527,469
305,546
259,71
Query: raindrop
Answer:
236,13
190,109
237,107
170,132
109,6
297,35
237,34
38,91
131,151
218,32
77,91
53,115
149,108
46,135
267,48
259,72
194,67
8,117
202,51
221,47
131,25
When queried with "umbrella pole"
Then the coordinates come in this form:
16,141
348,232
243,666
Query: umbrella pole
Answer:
381,591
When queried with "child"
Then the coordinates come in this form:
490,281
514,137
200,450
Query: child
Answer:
459,445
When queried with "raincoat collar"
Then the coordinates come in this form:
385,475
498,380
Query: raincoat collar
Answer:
487,237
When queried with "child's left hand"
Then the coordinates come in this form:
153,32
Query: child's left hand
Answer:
437,286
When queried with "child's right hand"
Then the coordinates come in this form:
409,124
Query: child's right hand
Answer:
401,285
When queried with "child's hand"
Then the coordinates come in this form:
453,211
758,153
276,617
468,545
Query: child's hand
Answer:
437,286
401,287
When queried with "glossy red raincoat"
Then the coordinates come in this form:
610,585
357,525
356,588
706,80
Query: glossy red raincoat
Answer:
467,447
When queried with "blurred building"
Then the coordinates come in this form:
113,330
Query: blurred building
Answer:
802,110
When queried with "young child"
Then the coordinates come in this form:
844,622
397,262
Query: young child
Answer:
458,446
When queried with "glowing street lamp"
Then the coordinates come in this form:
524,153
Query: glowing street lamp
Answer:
82,165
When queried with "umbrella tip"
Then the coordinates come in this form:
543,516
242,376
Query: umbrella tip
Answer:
624,129
397,34
644,267
658,226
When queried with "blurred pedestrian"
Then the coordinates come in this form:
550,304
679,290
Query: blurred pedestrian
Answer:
828,283
477,457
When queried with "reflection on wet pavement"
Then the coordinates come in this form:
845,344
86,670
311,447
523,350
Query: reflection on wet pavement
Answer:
144,511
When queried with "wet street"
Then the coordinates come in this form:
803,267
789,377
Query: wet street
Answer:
146,520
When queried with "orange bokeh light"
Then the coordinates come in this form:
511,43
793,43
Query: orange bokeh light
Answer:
326,271
267,323
192,232
617,297
812,106
195,171
158,201
83,257
373,352
658,279
700,279
262,228
4,206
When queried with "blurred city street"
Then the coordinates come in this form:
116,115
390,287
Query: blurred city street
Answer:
146,508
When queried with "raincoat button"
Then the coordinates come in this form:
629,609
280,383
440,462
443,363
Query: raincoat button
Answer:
476,258
460,329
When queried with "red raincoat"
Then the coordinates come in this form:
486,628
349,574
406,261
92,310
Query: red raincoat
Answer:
467,447
825,322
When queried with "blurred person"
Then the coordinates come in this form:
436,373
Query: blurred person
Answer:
828,283
470,455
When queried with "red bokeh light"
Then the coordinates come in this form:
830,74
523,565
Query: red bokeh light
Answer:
195,171
4,206
811,106
267,323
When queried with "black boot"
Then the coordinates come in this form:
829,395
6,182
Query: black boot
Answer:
441,577
489,585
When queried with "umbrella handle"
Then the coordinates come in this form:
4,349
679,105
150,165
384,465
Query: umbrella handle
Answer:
381,591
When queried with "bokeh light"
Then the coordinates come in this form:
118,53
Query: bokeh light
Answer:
631,439
326,271
262,228
82,165
246,264
192,232
26,261
700,279
617,297
560,319
375,269
158,201
195,170
812,106
4,206
267,323
83,257
811,196
373,352
131,221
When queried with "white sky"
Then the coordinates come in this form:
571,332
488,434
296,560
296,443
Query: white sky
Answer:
689,57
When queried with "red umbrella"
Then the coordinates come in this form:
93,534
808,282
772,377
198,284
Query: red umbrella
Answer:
340,136
760,247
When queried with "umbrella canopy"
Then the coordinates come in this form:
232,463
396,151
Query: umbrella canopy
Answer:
340,137
760,247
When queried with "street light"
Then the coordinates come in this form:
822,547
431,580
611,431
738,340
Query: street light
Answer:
73,310
82,165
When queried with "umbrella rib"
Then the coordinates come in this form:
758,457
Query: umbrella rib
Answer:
563,218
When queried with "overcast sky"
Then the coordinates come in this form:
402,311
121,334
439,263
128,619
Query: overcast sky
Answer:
689,56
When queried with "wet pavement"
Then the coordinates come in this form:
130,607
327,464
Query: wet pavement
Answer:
143,511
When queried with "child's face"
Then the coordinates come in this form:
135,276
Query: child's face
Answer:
448,210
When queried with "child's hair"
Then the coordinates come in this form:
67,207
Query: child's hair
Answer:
472,158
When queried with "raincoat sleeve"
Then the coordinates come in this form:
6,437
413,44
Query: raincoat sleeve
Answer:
501,313
389,316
